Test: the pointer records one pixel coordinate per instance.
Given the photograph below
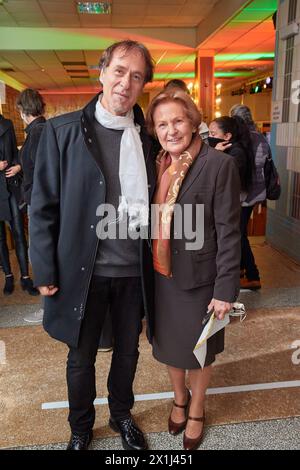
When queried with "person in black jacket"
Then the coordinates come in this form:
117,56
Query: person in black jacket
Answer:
90,160
231,135
31,107
10,183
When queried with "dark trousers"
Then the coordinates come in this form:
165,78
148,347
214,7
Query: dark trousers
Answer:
17,229
106,338
123,296
247,257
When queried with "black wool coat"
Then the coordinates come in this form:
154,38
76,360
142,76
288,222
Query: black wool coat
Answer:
27,155
8,152
68,187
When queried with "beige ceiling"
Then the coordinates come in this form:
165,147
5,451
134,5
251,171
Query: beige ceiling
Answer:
133,13
169,28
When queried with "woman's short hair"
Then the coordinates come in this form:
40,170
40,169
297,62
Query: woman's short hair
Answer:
173,96
31,103
242,111
128,46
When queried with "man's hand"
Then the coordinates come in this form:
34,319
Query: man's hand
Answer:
12,171
3,165
222,146
220,308
47,290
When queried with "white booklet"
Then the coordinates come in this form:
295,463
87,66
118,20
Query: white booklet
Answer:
212,327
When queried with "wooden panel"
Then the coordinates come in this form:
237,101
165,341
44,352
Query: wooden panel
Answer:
257,223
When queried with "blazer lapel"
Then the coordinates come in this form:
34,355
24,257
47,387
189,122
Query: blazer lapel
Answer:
194,171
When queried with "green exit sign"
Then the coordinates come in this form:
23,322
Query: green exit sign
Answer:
94,8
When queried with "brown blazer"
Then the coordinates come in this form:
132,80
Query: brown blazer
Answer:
213,180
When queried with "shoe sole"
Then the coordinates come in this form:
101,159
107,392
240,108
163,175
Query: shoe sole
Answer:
124,443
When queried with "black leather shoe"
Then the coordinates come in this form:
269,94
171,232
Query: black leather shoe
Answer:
132,437
27,284
9,285
80,441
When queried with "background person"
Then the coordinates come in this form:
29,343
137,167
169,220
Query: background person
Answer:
231,135
32,108
256,194
10,190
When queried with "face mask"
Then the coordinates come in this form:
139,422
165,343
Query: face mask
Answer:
213,141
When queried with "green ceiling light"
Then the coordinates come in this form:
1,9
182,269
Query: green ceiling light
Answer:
263,5
94,8
233,74
169,76
248,56
176,59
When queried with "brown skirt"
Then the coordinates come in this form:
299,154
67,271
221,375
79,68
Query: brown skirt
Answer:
178,324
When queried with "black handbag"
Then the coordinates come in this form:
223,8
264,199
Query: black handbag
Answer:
272,181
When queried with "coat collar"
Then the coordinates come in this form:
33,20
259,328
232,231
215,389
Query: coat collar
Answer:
87,118
35,122
89,111
89,135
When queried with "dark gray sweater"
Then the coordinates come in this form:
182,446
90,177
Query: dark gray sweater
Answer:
118,257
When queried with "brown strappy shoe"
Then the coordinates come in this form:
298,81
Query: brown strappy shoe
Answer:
176,428
193,444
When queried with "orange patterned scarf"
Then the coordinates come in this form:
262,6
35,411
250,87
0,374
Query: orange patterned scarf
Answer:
170,177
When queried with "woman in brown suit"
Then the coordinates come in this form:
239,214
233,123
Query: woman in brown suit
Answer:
191,278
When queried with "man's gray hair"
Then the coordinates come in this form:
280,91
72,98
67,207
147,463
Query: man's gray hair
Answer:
243,112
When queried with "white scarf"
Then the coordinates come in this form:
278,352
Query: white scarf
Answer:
132,168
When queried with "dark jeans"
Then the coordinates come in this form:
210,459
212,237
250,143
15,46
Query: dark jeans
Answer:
123,296
247,257
17,229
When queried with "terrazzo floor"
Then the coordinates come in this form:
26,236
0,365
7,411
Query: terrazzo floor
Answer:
261,350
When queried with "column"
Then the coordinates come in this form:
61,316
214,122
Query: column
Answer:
204,72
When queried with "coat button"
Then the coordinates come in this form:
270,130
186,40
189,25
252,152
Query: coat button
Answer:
82,268
90,141
75,309
85,129
101,182
175,252
92,226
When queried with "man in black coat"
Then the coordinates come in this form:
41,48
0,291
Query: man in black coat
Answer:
99,155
